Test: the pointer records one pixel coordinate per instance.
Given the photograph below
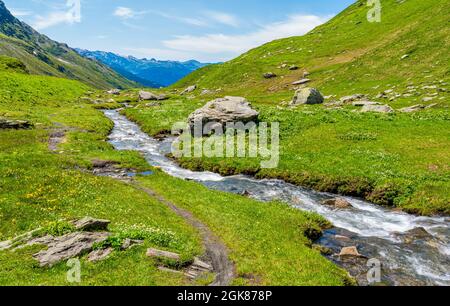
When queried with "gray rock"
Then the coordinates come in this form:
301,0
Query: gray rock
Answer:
411,109
189,89
69,246
149,96
355,97
293,67
115,92
339,203
223,111
377,109
91,224
269,75
99,255
163,254
206,92
301,82
427,99
364,103
14,124
128,243
307,96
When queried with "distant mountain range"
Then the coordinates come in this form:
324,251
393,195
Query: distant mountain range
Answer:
148,72
44,56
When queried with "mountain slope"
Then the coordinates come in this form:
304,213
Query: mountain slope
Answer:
346,55
41,55
149,72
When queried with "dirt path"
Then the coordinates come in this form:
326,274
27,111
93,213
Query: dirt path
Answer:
216,251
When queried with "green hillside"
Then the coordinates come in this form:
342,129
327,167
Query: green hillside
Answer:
346,55
43,56
397,159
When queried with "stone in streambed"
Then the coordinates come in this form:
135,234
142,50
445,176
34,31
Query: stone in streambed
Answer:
339,203
350,251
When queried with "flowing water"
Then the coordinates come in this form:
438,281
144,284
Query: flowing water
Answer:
412,250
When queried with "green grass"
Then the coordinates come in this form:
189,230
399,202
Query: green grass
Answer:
39,189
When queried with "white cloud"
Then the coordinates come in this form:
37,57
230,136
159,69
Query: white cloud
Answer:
124,12
71,16
232,45
20,13
222,18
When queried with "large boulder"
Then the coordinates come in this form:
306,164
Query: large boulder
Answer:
223,111
149,96
377,109
307,96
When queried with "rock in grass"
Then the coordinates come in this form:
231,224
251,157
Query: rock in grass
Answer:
307,96
414,108
128,243
14,124
301,82
189,89
364,103
377,109
222,111
269,75
350,251
293,67
91,224
114,91
69,246
155,253
337,203
149,96
355,97
99,255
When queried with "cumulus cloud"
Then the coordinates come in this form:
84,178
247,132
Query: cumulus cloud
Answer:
234,45
70,16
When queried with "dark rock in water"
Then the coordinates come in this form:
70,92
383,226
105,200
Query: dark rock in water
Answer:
14,124
246,193
418,233
91,224
269,75
68,246
98,163
337,203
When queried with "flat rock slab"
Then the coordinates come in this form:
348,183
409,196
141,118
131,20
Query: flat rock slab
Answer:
91,224
163,254
69,246
301,82
99,255
14,124
377,109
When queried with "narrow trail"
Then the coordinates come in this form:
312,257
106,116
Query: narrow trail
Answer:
216,251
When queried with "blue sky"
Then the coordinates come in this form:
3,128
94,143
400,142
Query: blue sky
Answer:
209,31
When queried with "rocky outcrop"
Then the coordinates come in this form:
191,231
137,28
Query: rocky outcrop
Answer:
339,203
14,124
69,246
222,111
377,109
91,224
149,96
307,96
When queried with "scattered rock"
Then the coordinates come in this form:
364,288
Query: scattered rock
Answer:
350,251
431,105
269,75
162,254
342,238
99,255
115,92
69,246
364,103
307,96
413,108
337,203
293,67
427,99
377,109
128,243
222,111
189,89
15,124
197,268
301,82
404,56
206,92
91,224
355,97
